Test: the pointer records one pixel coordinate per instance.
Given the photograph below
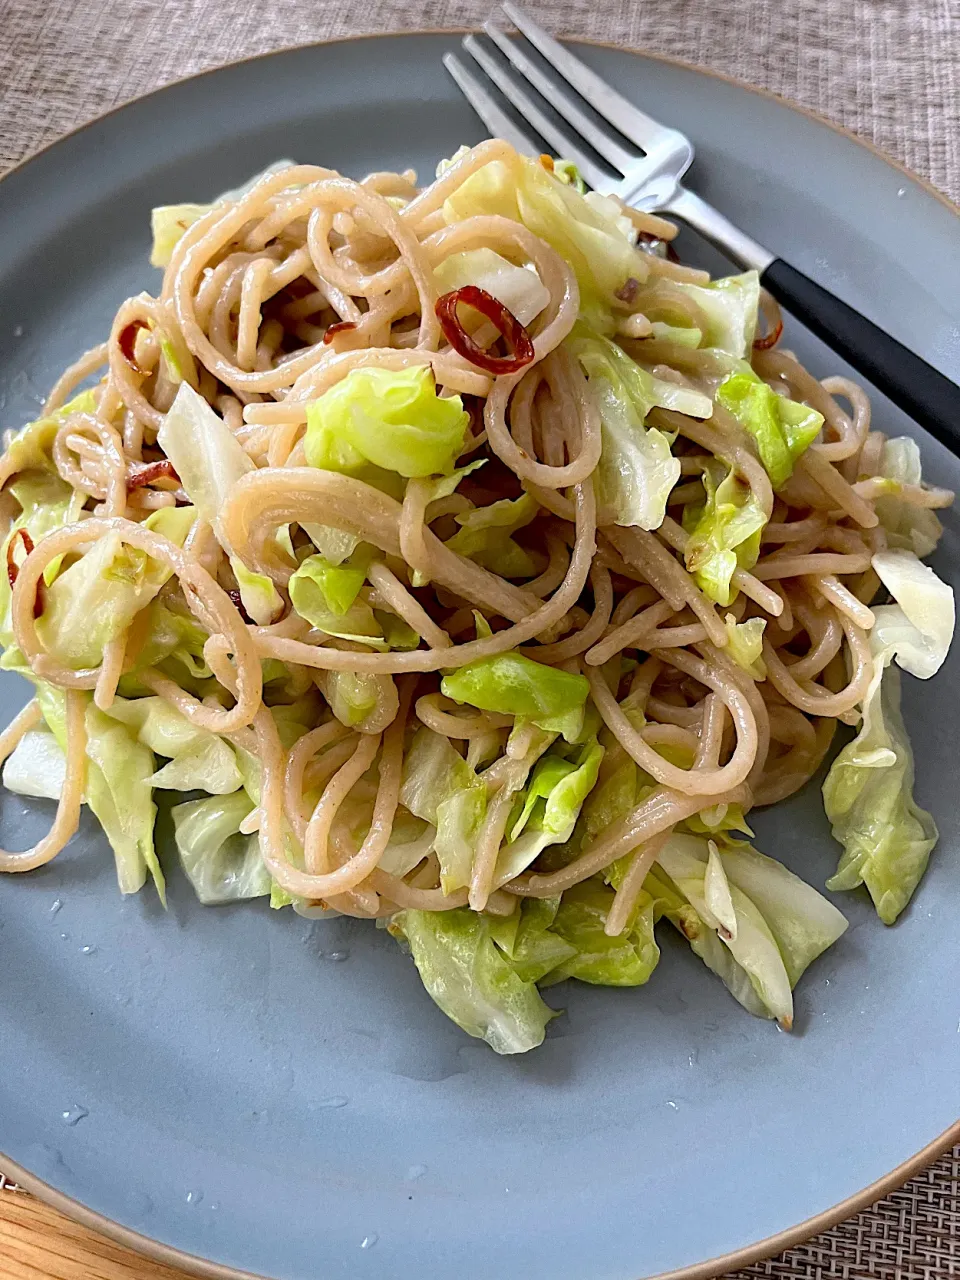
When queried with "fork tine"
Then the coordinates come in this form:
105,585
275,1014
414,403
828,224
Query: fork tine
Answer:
486,107
632,122
599,139
563,142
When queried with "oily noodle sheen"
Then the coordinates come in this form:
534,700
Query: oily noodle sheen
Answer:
268,302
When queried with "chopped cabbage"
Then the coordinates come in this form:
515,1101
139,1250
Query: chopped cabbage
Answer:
782,428
221,863
471,980
486,533
518,288
440,787
637,469
514,685
729,306
760,925
724,533
210,460
908,527
589,235
552,802
390,419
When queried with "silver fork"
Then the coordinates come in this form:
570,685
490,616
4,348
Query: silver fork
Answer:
649,177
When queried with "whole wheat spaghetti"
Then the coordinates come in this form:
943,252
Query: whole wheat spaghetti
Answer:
482,564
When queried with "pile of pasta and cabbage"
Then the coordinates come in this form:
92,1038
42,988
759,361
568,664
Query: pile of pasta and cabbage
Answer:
482,567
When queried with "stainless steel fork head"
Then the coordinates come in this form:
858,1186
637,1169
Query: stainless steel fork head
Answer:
629,154
645,175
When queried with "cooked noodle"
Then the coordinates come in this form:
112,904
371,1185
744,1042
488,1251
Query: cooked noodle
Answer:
274,299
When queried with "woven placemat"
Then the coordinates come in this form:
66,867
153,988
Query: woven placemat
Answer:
887,69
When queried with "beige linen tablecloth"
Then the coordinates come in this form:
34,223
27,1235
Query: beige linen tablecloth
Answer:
887,69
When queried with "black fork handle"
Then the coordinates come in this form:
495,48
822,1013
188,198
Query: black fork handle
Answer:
922,391
927,395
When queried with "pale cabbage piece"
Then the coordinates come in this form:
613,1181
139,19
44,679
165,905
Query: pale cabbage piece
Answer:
326,596
781,923
593,236
96,598
918,629
717,896
335,545
47,504
513,684
221,863
118,773
197,759
868,798
745,644
626,960
31,446
440,787
637,470
683,335
868,793
783,429
527,939
325,587
391,420
519,288
485,536
724,534
411,840
909,528
359,700
730,307
471,980
36,767
803,922
552,802
168,222
209,460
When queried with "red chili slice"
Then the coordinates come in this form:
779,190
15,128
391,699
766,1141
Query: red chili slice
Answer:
651,243
342,326
235,596
126,342
628,290
13,568
146,472
769,339
513,332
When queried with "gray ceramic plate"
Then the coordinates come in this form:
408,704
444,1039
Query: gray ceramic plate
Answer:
282,1097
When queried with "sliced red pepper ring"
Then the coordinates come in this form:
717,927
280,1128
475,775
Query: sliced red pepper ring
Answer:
237,600
146,472
126,341
20,535
652,243
511,330
628,290
342,326
770,338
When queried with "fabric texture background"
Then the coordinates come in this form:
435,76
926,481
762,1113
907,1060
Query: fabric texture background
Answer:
889,70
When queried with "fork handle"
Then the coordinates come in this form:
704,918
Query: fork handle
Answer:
927,395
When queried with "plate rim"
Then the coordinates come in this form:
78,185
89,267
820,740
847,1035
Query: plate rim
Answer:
710,1268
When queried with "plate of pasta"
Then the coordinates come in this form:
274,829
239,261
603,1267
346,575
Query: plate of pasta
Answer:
453,629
